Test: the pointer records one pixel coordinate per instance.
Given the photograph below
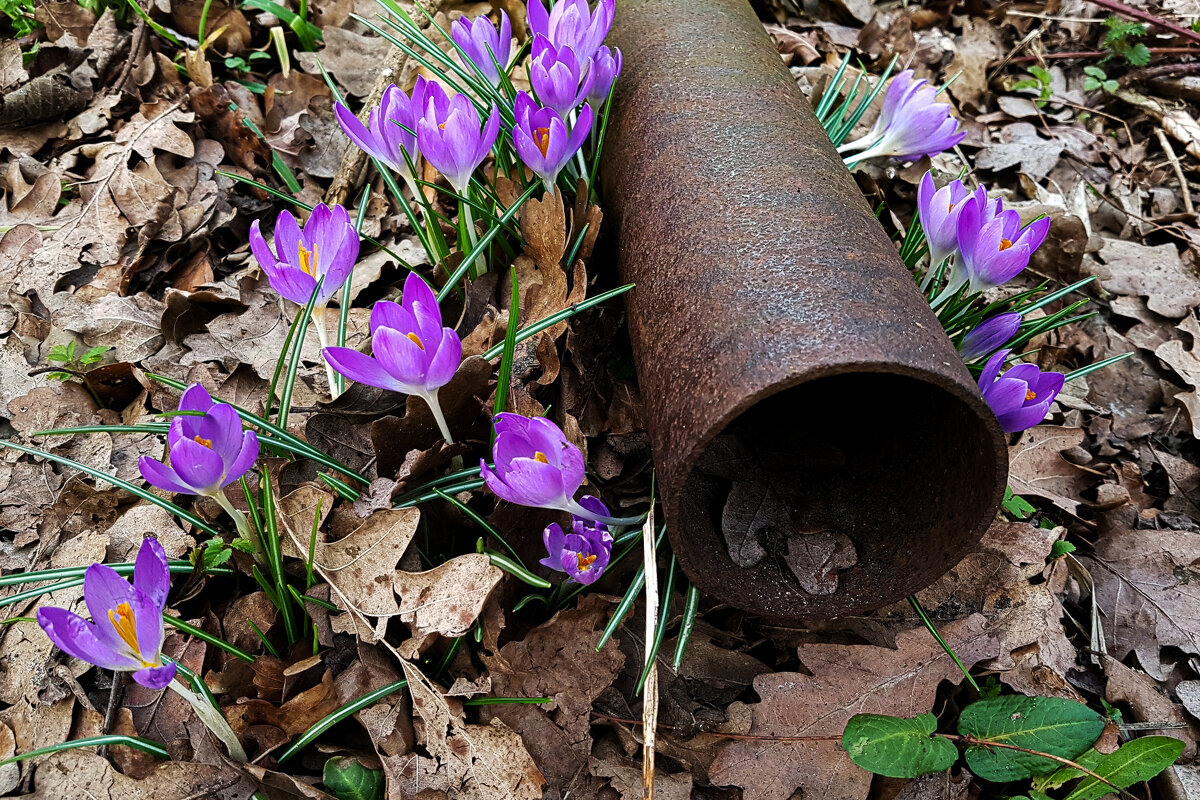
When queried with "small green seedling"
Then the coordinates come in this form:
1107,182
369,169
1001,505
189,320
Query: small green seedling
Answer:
245,65
1040,83
72,367
1097,79
1117,41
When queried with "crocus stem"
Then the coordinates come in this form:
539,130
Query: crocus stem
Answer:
436,408
213,719
583,170
469,222
243,525
579,511
933,270
323,336
857,144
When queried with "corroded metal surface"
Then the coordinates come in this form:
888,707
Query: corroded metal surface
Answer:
805,408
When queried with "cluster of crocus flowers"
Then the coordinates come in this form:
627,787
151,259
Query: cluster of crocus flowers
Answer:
1021,397
911,124
413,352
584,553
482,46
390,134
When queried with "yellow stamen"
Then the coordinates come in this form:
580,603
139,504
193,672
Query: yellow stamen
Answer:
541,137
1030,395
951,208
584,562
308,260
122,619
442,126
200,440
1005,244
540,456
416,340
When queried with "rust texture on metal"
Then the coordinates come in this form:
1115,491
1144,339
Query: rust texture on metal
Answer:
820,448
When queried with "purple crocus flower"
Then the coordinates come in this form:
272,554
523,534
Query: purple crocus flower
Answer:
584,553
326,247
541,139
1021,397
994,248
536,466
571,23
413,353
208,452
561,80
450,138
911,123
482,46
938,211
606,65
126,630
385,136
989,336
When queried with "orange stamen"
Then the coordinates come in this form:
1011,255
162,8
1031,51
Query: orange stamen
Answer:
416,340
1030,395
126,626
1005,244
540,456
584,562
200,440
541,137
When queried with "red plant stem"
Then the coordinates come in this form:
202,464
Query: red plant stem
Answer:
1158,51
1117,7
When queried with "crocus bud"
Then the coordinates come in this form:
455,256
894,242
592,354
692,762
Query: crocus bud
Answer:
126,631
326,247
450,137
572,23
560,79
938,211
989,336
541,139
391,128
606,65
208,452
1021,397
911,123
483,46
583,553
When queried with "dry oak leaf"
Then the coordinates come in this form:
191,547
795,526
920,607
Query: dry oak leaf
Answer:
360,566
448,598
80,774
1147,585
1036,466
845,680
1170,287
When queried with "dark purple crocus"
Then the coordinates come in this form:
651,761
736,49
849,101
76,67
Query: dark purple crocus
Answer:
583,553
126,630
536,466
542,141
606,65
208,452
993,245
413,352
391,129
450,137
559,77
483,46
572,23
326,247
1021,397
911,123
938,211
989,336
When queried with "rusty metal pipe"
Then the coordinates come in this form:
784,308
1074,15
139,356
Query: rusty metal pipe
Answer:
820,448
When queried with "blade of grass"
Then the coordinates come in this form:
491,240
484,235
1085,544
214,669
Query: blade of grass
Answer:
289,381
504,376
327,722
145,745
554,319
691,605
126,569
1079,373
482,245
480,521
916,604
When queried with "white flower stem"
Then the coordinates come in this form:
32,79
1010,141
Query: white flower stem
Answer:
323,336
573,117
243,524
436,408
213,719
578,510
469,222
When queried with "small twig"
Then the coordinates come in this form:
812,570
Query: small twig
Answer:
1174,159
1158,51
650,695
720,735
1118,7
1162,70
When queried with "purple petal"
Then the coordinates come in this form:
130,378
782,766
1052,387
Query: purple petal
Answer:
291,283
222,428
155,677
197,466
258,246
196,398
404,359
245,459
361,368
77,637
386,314
991,369
151,573
360,135
416,290
445,360
161,476
287,239
104,591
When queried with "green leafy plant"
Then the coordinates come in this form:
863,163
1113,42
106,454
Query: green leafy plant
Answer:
1045,740
1117,41
1097,79
245,65
20,16
347,779
73,367
1040,83
1015,506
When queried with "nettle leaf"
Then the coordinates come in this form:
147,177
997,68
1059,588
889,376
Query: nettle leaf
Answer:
1139,760
347,779
1050,725
897,747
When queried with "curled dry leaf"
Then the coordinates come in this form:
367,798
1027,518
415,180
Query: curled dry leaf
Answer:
447,599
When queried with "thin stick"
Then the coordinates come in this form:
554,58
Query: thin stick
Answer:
650,695
1174,159
1136,13
1066,762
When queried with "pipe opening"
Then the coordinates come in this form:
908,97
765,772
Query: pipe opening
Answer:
840,494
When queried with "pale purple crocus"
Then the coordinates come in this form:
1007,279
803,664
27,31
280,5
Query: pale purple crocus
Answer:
391,129
482,46
209,451
994,248
450,137
606,66
1021,397
126,631
326,247
413,352
536,466
911,124
583,553
542,140
938,211
572,23
559,77
989,336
